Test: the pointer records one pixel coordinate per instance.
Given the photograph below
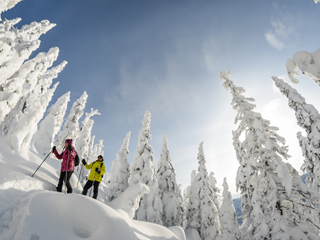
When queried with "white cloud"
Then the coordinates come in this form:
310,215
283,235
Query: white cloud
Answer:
273,40
281,33
280,29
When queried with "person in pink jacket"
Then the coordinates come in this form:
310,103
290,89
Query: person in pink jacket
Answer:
67,164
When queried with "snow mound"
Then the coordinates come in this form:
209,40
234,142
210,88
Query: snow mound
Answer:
27,211
128,202
12,179
50,215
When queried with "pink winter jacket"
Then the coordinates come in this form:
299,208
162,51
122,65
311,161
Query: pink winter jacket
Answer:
64,157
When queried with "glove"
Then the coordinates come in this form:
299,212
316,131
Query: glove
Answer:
98,170
84,162
53,148
70,148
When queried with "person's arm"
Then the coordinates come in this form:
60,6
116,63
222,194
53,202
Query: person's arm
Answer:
103,170
59,156
89,166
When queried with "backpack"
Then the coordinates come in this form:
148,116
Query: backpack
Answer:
76,160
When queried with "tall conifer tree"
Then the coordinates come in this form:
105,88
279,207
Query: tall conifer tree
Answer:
119,175
202,213
142,170
169,191
273,185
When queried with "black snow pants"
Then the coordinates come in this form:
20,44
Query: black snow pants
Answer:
63,178
88,185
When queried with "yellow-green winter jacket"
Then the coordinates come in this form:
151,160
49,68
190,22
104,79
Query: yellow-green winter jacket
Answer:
95,176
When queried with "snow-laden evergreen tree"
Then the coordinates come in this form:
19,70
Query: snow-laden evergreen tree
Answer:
308,165
91,152
50,74
119,174
71,125
7,4
193,175
25,82
215,190
92,156
210,225
51,125
274,185
83,136
174,212
17,44
202,213
142,170
228,217
308,63
99,148
308,118
106,177
21,135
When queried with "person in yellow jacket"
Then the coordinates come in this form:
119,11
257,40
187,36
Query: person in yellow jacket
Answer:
96,174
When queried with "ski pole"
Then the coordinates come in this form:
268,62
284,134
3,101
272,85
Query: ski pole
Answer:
67,170
79,175
41,164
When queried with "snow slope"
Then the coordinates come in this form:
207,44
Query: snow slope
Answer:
30,209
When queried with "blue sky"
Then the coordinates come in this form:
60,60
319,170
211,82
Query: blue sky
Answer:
165,56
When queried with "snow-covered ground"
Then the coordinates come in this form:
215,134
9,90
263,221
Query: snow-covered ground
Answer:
30,208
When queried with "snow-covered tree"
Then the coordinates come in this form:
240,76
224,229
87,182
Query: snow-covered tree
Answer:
91,152
49,75
308,118
210,223
119,174
83,136
25,82
202,213
21,135
7,4
142,170
99,148
51,125
16,45
92,156
274,185
308,63
106,177
215,190
71,125
169,191
228,217
308,165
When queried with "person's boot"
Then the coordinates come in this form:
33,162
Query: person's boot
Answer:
95,195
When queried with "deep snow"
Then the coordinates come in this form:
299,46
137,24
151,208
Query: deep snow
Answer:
30,208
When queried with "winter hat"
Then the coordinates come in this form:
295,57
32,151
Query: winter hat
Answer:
69,141
100,156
